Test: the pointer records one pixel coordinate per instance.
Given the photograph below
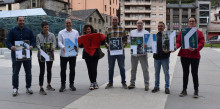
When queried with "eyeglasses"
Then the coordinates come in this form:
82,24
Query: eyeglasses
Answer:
192,21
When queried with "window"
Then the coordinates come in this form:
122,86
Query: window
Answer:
110,11
153,30
94,20
153,22
99,21
105,8
113,1
161,8
153,1
116,2
113,10
127,23
161,1
106,19
9,6
161,15
110,2
90,19
154,8
100,30
153,15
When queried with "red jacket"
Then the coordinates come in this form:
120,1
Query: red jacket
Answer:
91,42
186,52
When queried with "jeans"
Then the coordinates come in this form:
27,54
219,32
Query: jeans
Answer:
194,69
16,66
42,71
63,65
92,68
157,66
121,64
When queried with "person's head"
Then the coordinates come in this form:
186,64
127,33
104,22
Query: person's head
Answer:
161,26
68,24
114,21
192,22
88,29
140,25
45,27
20,22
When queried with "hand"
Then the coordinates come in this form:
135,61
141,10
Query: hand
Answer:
191,49
63,49
31,48
172,51
165,51
145,46
13,48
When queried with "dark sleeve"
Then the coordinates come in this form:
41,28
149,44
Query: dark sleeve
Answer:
32,39
124,38
9,39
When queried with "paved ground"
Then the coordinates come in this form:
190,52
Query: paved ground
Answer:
116,97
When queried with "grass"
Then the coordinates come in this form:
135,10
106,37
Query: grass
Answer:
213,45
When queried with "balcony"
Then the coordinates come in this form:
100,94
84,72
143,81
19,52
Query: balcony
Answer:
137,3
137,18
137,11
185,13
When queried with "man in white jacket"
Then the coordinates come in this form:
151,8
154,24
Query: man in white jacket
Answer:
72,34
140,31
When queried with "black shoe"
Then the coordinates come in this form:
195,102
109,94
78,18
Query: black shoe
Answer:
49,87
124,85
131,86
42,92
29,91
72,88
167,91
91,87
109,85
96,86
15,92
183,93
146,88
62,88
155,90
196,95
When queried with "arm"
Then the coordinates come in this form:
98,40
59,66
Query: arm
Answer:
32,40
38,41
201,40
106,40
60,41
9,40
54,41
124,39
102,39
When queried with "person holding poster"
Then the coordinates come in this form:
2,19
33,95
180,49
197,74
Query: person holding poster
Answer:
71,35
191,57
116,32
140,31
45,37
161,58
20,33
91,42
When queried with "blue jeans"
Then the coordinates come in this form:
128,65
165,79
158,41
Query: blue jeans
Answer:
121,64
16,66
157,66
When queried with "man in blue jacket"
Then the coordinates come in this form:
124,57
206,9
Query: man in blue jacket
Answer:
20,33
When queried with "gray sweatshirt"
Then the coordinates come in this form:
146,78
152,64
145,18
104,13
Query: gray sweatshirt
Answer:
42,38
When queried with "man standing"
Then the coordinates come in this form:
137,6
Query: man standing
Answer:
161,58
71,34
116,31
139,57
20,33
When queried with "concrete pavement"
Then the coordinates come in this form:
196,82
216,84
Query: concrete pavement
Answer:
116,97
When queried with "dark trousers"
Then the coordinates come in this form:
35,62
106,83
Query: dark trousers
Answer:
16,66
186,62
42,70
63,65
92,68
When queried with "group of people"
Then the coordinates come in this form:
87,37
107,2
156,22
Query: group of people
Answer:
91,54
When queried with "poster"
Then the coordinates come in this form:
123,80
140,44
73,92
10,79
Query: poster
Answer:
150,41
169,40
46,50
22,52
137,45
115,46
70,47
189,38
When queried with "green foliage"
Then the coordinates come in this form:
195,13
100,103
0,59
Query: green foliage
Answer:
212,45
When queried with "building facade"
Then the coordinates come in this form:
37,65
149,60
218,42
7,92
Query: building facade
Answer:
203,13
149,11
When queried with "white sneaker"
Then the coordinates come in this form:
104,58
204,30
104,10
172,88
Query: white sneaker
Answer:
29,91
15,92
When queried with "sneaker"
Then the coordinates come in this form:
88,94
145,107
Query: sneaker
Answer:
131,86
15,92
196,95
72,88
96,85
155,90
91,87
167,91
42,92
183,93
62,88
49,87
124,85
29,91
146,88
109,85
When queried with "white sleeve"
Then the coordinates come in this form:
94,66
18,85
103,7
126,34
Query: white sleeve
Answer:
60,40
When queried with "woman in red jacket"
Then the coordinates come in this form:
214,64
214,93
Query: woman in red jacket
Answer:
91,42
191,57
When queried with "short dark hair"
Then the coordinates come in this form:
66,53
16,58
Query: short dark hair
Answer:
86,26
161,23
193,18
19,17
44,23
